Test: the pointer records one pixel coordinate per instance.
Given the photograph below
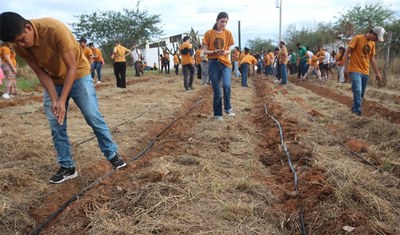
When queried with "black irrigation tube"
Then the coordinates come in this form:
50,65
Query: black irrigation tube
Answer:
296,187
347,148
50,218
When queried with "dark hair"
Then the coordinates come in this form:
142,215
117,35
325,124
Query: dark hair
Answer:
91,44
11,25
186,38
298,44
220,16
83,40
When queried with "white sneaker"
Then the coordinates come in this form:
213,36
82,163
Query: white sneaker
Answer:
219,118
98,82
6,96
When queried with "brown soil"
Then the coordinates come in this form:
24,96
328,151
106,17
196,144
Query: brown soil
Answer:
202,175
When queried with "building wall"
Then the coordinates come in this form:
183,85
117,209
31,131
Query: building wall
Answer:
151,52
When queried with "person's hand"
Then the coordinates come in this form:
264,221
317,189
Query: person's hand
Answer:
59,111
378,77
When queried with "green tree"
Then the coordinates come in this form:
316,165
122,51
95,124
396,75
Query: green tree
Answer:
131,26
312,37
363,17
258,44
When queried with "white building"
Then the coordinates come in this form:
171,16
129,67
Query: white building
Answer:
151,50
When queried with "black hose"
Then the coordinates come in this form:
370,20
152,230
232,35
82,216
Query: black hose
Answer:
345,146
40,227
289,158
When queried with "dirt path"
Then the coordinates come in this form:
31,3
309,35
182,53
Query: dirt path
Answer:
202,175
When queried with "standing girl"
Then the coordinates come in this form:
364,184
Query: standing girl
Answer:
9,67
216,44
340,64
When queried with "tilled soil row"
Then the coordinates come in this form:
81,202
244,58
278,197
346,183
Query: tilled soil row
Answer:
369,108
347,202
312,180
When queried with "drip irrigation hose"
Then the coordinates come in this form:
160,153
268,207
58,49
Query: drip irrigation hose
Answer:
346,147
289,158
50,218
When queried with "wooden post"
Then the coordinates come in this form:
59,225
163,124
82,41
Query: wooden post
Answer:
384,80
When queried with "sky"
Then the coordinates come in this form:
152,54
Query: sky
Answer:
258,18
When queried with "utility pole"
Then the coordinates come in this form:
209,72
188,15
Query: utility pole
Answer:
279,5
240,42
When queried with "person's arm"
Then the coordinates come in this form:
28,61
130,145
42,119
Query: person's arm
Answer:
372,60
346,58
8,60
129,52
207,51
47,83
70,63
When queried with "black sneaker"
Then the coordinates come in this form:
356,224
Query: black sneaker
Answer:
63,174
117,162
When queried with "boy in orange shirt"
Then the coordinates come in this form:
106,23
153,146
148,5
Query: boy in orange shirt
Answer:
314,66
97,63
86,50
359,54
186,50
53,53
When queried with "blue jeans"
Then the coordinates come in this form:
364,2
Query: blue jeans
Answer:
302,68
96,66
283,70
269,70
219,72
340,73
236,69
359,83
245,73
84,95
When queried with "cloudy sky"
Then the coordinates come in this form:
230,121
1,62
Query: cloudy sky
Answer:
258,18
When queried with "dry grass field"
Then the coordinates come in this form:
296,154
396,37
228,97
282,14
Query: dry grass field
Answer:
203,176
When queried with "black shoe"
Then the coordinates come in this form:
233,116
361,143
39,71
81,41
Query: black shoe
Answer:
63,174
117,162
357,113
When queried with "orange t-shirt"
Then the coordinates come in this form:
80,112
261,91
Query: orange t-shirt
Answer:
249,59
283,55
314,61
176,59
235,56
5,50
97,56
88,53
52,38
321,56
119,53
363,50
338,60
223,40
186,59
197,56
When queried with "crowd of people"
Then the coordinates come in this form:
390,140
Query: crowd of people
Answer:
67,69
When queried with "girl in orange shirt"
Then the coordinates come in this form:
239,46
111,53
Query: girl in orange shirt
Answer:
9,67
340,64
216,44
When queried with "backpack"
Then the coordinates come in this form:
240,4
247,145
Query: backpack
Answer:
186,50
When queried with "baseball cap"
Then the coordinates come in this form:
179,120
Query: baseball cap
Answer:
379,31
